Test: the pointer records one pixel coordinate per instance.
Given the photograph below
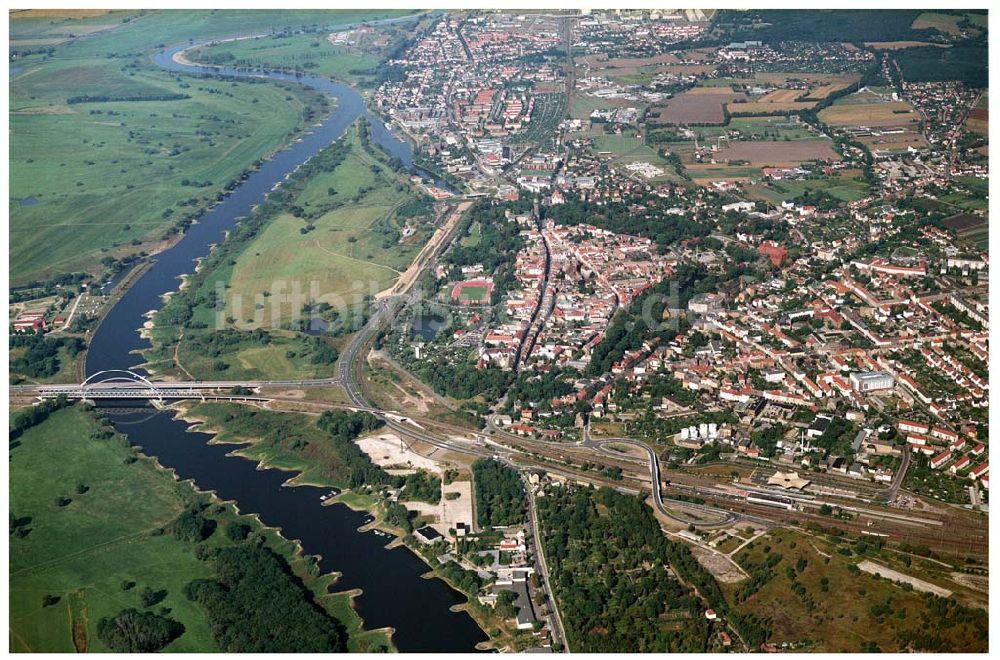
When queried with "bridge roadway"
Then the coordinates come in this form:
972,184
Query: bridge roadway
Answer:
159,389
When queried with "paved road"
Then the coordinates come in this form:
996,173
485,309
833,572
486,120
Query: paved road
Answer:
729,517
601,446
555,620
893,491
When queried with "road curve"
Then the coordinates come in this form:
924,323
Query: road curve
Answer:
729,518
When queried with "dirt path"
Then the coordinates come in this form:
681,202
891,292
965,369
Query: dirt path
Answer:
177,357
347,256
439,238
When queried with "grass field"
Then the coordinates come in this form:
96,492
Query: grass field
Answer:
312,54
281,440
283,357
149,28
773,128
347,244
112,182
619,145
82,552
106,180
845,187
473,293
346,257
474,235
852,611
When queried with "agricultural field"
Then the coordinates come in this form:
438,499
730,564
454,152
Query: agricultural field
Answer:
807,86
909,138
699,105
778,154
972,228
766,129
899,45
947,23
348,255
871,109
642,70
706,173
818,600
971,197
766,107
979,116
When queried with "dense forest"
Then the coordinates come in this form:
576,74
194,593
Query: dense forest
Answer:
256,604
462,380
852,25
499,494
343,428
965,62
609,564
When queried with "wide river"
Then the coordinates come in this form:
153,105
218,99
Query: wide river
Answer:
393,592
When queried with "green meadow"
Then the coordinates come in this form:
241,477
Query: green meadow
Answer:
311,54
352,251
82,554
110,176
345,232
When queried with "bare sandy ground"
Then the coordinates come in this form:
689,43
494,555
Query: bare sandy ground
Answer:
387,451
459,509
719,565
896,576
